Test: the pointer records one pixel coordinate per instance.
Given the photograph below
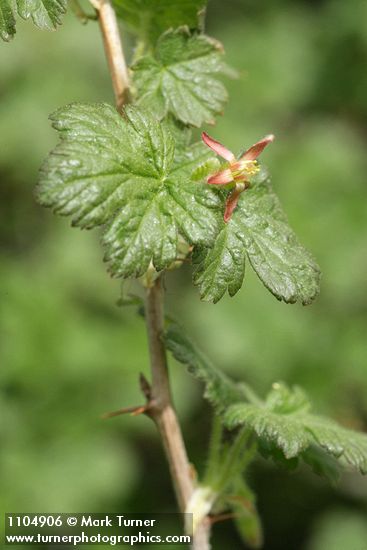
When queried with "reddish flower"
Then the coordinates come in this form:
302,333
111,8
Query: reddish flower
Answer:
236,172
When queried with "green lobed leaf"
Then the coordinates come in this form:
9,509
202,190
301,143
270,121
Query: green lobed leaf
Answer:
259,230
181,133
45,14
178,78
283,401
220,390
293,430
286,429
270,451
220,268
150,18
128,174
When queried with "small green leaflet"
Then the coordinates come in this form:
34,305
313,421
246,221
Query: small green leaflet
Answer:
293,429
45,14
150,18
258,230
282,423
128,174
178,78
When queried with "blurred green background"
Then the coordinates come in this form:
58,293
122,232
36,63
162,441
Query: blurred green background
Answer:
69,354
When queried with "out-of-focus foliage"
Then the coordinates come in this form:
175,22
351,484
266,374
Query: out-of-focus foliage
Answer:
339,529
283,422
149,18
68,354
44,14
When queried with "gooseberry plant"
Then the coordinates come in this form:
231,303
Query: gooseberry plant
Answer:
161,199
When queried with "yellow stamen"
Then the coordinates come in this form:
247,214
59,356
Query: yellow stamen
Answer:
245,168
252,168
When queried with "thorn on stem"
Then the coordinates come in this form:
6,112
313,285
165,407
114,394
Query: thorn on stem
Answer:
134,411
140,409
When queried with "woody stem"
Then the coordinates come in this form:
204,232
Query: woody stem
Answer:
159,407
